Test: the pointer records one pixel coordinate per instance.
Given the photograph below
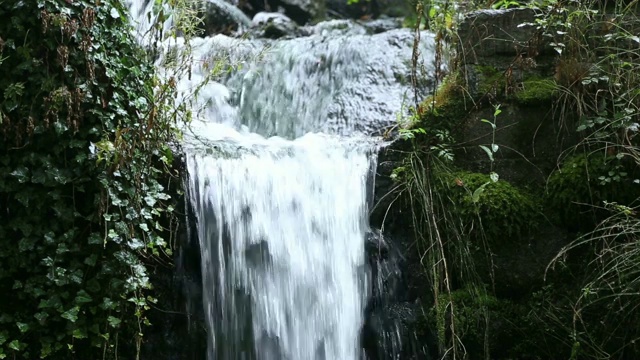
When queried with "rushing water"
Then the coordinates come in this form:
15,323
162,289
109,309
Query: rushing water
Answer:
281,234
279,161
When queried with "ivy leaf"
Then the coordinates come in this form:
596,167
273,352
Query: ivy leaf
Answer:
71,314
22,173
113,321
14,345
23,327
83,297
79,334
494,176
3,337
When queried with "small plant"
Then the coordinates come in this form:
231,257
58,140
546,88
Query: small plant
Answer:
506,4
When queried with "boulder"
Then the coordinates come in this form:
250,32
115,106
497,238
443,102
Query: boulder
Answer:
367,9
221,17
273,26
301,11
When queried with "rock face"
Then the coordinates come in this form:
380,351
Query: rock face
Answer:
301,11
221,17
273,26
393,327
487,34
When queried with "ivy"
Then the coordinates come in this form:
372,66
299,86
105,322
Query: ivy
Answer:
85,180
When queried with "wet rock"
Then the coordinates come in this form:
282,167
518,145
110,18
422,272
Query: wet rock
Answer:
381,25
301,11
488,33
304,11
375,244
394,332
367,9
339,80
221,17
258,255
273,26
336,27
344,9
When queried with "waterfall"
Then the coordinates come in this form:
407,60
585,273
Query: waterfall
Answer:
282,239
280,161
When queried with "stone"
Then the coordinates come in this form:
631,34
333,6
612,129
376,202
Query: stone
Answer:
304,11
301,11
489,33
221,17
273,26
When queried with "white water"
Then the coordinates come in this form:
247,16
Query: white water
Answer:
281,223
286,227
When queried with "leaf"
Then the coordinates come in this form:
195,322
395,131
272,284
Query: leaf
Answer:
79,334
113,321
83,297
486,150
489,122
71,314
432,12
14,345
23,327
494,147
494,176
475,197
21,173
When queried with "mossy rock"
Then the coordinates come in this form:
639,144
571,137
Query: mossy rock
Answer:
577,191
480,318
535,91
502,212
447,108
490,80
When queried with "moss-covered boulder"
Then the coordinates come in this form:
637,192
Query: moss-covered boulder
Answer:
499,211
577,193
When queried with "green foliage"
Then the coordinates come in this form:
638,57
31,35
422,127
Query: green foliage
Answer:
577,191
487,325
448,107
85,181
496,208
506,4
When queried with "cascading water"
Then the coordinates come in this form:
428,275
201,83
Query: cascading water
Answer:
279,178
281,233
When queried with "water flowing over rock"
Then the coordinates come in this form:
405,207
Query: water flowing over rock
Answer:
339,80
280,162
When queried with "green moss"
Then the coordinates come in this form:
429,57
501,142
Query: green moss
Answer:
536,91
490,80
502,211
447,108
576,192
482,321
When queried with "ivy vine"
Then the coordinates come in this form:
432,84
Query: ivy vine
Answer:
86,178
